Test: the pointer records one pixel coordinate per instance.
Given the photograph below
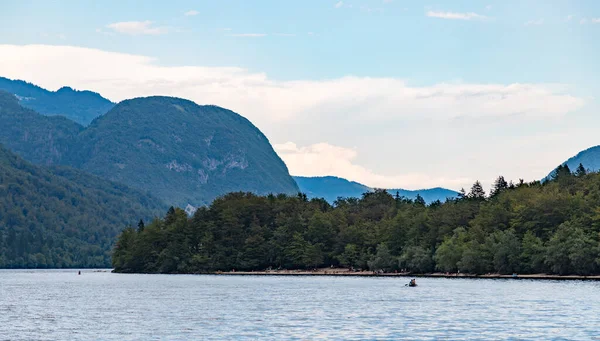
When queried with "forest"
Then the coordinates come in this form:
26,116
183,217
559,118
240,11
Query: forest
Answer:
551,227
59,217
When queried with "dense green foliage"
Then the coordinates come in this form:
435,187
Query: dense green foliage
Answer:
40,139
526,228
177,150
79,106
331,188
61,217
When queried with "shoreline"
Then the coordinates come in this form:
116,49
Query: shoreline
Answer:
347,273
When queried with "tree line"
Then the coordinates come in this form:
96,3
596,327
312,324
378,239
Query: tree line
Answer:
550,227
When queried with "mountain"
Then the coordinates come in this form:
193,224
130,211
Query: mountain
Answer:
61,217
331,187
40,139
179,151
79,106
429,194
589,158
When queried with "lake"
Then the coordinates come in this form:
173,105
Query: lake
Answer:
61,305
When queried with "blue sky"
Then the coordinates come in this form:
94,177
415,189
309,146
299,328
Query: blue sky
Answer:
501,75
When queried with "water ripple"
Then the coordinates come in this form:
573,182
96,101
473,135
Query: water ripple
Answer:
60,305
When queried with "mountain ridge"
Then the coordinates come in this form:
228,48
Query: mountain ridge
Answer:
81,106
589,158
332,187
180,151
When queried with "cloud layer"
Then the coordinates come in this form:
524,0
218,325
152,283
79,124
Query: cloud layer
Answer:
456,15
323,159
137,28
372,125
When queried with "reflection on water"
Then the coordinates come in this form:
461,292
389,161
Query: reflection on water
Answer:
60,305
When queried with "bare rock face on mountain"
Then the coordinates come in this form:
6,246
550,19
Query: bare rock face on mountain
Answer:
179,151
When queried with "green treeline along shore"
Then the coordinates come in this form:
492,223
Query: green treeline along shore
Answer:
526,228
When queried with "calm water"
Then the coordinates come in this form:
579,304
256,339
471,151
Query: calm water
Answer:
60,305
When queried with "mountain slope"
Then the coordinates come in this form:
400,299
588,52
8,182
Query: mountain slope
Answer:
331,187
40,139
429,194
589,158
79,106
61,217
181,152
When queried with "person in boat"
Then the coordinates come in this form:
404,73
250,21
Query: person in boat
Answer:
412,283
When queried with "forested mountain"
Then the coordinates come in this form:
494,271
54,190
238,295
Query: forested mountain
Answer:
589,158
525,228
61,217
330,188
40,139
79,106
181,152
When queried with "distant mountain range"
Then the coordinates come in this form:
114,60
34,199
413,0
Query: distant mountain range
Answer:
79,106
62,217
589,158
331,187
182,153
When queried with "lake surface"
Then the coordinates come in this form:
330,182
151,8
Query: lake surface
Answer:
60,305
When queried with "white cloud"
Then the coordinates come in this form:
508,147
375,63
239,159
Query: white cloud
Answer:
456,15
363,112
536,22
323,159
137,28
191,13
339,4
583,21
248,35
285,34
596,20
569,17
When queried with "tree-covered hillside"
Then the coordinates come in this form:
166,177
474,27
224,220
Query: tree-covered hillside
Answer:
525,228
40,139
62,217
179,151
79,106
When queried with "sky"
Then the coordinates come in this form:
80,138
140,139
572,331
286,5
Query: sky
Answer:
388,93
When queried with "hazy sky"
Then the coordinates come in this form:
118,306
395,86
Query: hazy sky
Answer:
389,93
